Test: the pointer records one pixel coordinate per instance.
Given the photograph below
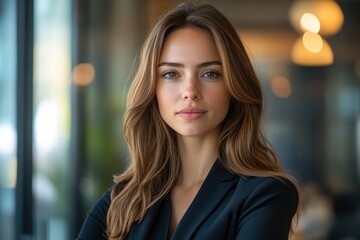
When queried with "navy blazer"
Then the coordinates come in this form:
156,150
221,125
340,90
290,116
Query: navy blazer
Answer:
227,206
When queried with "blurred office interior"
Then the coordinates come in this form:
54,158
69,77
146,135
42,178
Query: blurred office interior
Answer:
65,67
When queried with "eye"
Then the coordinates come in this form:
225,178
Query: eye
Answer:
170,75
211,74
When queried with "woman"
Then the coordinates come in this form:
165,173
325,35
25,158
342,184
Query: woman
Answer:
201,169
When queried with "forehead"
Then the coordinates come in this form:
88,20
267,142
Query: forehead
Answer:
188,43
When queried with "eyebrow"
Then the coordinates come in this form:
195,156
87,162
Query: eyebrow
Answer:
204,64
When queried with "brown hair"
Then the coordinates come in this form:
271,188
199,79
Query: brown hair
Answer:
152,146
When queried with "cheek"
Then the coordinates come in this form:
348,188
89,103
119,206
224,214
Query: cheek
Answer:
220,100
164,97
220,97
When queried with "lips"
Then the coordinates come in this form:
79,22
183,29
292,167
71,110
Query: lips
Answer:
191,113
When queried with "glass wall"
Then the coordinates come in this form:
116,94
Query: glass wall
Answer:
8,142
51,118
83,54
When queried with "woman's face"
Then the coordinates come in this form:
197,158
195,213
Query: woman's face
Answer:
190,91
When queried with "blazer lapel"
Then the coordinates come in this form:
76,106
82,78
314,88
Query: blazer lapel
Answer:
144,229
218,182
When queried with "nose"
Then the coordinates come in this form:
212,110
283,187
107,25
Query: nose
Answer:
191,90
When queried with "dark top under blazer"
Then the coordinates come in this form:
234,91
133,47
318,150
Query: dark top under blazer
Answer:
227,206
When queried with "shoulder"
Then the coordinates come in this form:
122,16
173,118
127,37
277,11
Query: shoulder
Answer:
100,208
265,207
267,185
275,191
249,189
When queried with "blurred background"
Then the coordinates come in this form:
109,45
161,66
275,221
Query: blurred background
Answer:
65,67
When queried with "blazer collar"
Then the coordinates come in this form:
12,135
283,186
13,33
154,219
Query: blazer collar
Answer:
218,182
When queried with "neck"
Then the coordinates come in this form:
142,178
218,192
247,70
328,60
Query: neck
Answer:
197,157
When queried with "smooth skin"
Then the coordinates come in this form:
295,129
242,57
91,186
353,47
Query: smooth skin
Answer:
193,100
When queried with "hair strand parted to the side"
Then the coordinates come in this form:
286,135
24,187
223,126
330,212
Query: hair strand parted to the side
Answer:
152,146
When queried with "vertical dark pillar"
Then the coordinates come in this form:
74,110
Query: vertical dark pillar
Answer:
77,126
24,115
79,45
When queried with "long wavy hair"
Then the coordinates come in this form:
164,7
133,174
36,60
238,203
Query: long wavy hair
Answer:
155,161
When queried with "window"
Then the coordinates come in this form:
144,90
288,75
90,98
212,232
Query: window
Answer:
51,118
8,159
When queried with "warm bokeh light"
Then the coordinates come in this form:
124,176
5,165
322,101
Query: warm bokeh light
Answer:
309,22
302,56
312,42
328,12
281,86
83,74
